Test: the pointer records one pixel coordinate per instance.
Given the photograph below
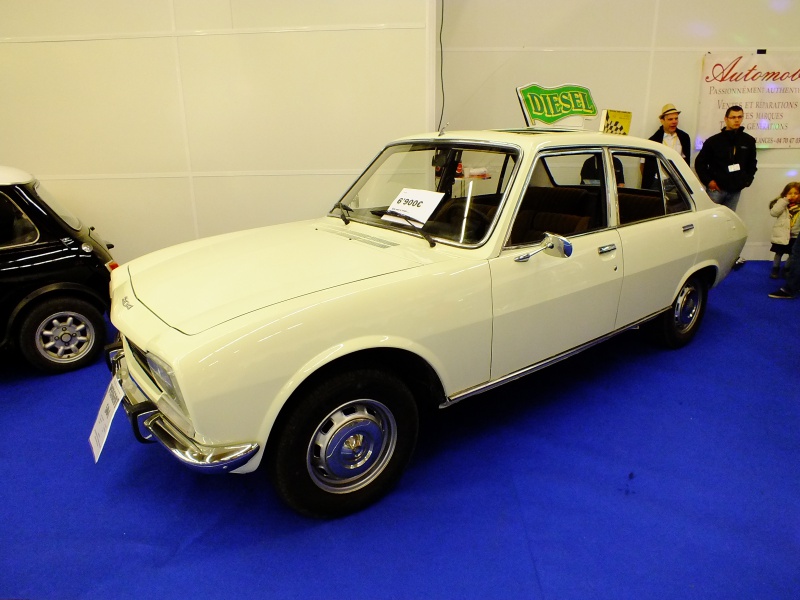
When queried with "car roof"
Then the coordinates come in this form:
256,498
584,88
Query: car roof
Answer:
541,137
11,176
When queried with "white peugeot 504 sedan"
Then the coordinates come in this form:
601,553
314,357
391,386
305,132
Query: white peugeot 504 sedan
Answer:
455,263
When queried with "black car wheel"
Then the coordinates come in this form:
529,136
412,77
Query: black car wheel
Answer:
344,444
678,326
61,334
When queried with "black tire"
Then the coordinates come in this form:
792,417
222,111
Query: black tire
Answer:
344,444
676,327
61,334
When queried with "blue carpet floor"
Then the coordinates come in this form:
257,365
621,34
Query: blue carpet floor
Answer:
626,472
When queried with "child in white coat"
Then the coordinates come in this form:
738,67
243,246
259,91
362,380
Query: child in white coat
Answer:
786,210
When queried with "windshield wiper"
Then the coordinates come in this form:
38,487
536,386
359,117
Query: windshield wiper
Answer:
407,219
344,210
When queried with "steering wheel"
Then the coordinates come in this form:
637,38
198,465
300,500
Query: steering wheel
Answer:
477,221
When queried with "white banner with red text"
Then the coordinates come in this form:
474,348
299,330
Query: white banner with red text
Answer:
766,86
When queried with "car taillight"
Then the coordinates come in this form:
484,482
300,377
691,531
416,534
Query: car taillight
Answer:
111,265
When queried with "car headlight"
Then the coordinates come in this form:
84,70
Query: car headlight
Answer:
164,377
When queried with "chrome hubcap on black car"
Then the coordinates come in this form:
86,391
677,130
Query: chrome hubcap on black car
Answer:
64,337
352,446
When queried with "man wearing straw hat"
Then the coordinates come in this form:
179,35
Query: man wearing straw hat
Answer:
669,135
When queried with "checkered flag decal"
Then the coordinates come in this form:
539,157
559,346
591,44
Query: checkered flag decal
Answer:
613,126
615,121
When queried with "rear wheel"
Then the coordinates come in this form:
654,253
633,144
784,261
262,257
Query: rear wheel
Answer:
344,444
61,334
676,327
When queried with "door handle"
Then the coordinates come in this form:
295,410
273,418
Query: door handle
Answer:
606,249
688,227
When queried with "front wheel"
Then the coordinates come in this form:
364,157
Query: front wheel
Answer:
344,444
676,327
61,334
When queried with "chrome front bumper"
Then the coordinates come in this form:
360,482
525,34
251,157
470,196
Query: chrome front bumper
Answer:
151,425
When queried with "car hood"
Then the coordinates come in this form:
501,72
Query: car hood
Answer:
197,285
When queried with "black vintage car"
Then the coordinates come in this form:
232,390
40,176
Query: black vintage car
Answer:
54,274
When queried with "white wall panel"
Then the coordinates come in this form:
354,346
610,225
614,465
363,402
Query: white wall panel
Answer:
91,107
540,24
750,24
340,96
233,203
308,15
79,18
326,13
203,15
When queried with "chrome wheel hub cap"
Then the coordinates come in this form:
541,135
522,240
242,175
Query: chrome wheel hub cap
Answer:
686,308
352,446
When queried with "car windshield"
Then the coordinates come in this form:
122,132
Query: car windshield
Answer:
71,220
450,191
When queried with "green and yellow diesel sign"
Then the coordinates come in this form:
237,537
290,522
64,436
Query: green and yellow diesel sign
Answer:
549,105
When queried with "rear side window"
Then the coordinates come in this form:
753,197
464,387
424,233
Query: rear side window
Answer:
16,229
649,189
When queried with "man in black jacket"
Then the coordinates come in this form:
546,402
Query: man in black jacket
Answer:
669,135
727,162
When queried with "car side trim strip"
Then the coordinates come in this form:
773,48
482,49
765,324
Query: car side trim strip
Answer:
450,401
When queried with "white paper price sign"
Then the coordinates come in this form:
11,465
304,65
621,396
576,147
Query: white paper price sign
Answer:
417,205
105,415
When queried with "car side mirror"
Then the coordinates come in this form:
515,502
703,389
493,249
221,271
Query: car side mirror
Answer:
551,244
555,245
